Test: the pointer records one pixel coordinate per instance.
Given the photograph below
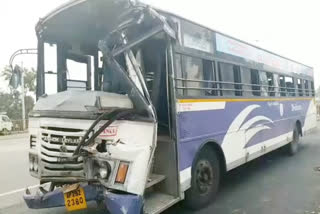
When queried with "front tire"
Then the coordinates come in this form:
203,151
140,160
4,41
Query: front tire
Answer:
293,146
205,180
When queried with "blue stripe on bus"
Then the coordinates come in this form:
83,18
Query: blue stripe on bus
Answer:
198,127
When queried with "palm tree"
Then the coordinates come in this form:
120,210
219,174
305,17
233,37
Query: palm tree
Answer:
29,77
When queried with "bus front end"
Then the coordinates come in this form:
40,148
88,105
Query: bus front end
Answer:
93,138
114,158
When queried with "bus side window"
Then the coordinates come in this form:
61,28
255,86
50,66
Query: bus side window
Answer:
276,85
270,79
312,88
300,89
290,86
282,86
246,80
193,69
229,76
196,76
306,87
264,83
178,74
50,59
255,81
209,77
237,80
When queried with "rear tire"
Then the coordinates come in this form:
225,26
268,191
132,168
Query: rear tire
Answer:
205,180
293,146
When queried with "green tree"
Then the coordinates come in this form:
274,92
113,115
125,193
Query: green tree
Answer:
11,102
29,77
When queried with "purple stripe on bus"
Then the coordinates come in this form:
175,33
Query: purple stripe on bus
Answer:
198,127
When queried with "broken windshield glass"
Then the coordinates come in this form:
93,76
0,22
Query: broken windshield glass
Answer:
121,69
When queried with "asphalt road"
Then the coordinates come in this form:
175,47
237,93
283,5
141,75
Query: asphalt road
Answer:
274,183
14,167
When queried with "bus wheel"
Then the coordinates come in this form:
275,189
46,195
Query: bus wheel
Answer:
293,146
204,181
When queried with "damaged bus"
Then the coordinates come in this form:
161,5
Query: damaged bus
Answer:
149,109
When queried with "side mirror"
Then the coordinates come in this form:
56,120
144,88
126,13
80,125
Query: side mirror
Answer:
15,79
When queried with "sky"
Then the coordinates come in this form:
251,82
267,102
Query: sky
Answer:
286,27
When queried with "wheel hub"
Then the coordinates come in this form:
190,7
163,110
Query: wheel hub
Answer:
204,176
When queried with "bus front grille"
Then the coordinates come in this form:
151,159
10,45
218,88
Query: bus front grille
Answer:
57,147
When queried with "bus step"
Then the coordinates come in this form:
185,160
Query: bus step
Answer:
154,179
156,202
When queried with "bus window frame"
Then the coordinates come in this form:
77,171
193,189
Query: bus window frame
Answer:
271,87
256,87
306,87
312,88
300,89
290,91
179,49
204,81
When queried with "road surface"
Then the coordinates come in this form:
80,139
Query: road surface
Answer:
275,183
14,165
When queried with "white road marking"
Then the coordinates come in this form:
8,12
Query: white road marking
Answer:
18,190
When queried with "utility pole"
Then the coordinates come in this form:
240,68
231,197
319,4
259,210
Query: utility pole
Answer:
22,99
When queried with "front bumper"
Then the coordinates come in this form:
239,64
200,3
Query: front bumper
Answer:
115,203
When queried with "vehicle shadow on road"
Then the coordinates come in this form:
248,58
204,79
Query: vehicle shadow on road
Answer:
237,181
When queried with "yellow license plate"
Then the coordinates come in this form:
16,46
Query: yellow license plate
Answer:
75,200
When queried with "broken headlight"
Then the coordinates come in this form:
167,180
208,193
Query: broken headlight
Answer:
98,169
104,169
103,173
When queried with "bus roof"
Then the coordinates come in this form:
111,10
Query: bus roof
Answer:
264,55
264,52
61,8
216,31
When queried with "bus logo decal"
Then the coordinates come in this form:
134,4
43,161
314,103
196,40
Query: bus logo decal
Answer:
110,131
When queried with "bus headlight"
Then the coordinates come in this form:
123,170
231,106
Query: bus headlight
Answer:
103,173
102,169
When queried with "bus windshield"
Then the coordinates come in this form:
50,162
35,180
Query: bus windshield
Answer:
118,61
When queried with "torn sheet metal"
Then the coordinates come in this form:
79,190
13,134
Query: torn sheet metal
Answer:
140,23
